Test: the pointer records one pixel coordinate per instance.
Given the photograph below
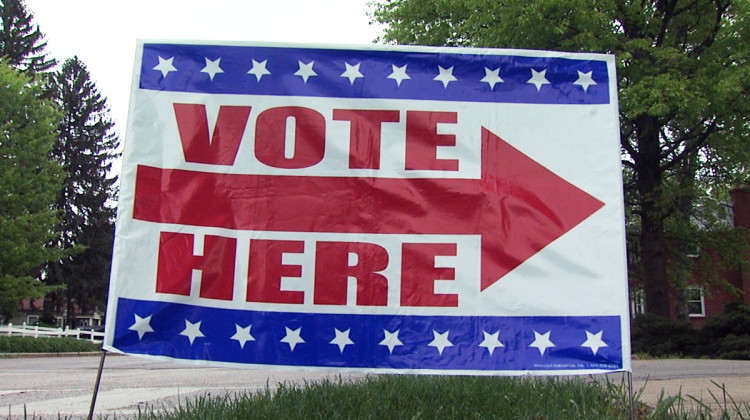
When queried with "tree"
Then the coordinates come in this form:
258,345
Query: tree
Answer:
683,83
86,148
29,181
21,41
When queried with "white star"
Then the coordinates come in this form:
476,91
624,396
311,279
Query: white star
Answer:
584,80
259,69
305,70
440,341
142,326
398,74
192,331
292,337
165,66
491,342
538,78
541,342
352,72
242,335
445,76
212,67
342,339
491,77
391,340
594,342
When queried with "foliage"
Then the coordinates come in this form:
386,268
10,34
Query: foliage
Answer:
683,83
28,185
21,42
725,336
734,347
660,337
86,148
16,344
734,320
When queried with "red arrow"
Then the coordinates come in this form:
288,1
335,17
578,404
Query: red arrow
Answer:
518,206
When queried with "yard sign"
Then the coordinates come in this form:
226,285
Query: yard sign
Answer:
372,208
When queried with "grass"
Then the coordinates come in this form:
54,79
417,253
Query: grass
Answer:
436,397
17,344
446,397
412,397
721,406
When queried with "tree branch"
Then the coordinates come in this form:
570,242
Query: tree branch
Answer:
720,10
625,143
668,13
691,146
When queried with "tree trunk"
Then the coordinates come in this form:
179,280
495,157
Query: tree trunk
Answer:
653,242
656,282
49,308
70,319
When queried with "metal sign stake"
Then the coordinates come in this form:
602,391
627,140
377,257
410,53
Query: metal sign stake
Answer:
96,385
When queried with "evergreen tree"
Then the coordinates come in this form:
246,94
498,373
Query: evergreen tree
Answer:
683,81
21,42
86,148
29,181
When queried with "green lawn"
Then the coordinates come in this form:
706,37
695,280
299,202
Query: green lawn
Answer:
441,397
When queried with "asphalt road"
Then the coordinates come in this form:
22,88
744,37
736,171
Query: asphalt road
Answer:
47,386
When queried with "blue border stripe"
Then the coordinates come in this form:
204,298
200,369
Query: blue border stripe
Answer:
375,66
364,346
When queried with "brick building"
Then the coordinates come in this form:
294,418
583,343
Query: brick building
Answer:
31,312
706,301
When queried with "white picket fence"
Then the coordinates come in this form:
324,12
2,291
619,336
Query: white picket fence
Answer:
38,332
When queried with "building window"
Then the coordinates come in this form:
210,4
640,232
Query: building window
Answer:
637,306
726,214
692,250
32,320
696,304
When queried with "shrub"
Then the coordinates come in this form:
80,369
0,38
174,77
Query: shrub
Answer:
735,320
734,347
725,336
658,336
46,345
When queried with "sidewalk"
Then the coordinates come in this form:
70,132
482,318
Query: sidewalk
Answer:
46,386
713,382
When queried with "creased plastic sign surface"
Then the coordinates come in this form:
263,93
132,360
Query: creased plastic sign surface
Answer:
380,209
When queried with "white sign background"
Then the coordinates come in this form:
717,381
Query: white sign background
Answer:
580,274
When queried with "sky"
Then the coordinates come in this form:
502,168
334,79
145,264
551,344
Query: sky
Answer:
103,33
